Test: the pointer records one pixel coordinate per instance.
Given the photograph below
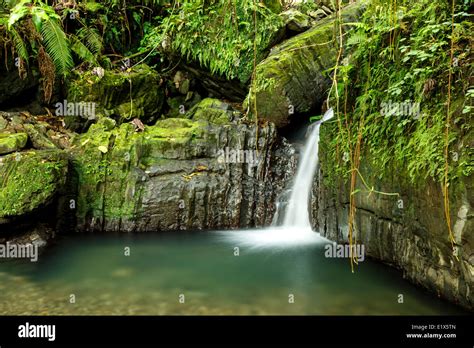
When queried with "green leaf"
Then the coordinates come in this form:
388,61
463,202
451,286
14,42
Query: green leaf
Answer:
20,46
57,46
18,12
82,51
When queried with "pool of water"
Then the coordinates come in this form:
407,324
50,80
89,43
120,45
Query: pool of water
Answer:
199,273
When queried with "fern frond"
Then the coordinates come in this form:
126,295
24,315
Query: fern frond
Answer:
18,12
57,46
91,39
356,38
82,50
19,45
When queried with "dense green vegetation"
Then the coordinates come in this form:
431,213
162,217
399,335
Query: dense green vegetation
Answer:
414,54
399,54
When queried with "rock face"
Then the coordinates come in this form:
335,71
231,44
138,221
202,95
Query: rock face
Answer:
408,231
293,78
11,142
30,180
180,174
113,92
12,86
296,21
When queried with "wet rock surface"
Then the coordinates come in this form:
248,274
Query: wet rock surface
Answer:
180,174
407,231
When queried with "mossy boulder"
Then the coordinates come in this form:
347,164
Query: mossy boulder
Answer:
122,95
30,180
274,5
293,78
38,137
11,142
171,176
296,21
214,111
180,104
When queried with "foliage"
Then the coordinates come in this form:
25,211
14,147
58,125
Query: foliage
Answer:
401,56
218,34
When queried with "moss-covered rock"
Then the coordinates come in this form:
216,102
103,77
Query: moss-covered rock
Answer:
180,104
134,93
214,111
293,78
296,21
3,123
403,226
11,142
30,180
38,137
169,176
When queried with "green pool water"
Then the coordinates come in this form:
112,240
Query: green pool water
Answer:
203,267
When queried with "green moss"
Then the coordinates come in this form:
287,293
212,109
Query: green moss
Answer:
135,93
37,135
412,68
30,180
211,110
10,142
295,72
109,163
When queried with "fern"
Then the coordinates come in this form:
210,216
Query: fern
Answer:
18,12
91,39
82,50
20,46
57,46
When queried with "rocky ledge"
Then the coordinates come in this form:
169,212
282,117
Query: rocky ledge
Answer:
408,230
209,169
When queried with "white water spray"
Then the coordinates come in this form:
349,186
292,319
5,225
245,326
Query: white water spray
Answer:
296,229
297,212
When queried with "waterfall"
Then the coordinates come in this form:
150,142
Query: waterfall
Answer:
297,211
296,229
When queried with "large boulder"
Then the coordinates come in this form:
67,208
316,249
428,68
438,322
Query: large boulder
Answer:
214,111
293,78
296,21
29,181
122,95
180,174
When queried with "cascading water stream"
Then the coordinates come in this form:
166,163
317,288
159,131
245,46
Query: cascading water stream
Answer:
296,214
296,229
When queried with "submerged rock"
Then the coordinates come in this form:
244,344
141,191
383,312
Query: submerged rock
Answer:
179,174
293,78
